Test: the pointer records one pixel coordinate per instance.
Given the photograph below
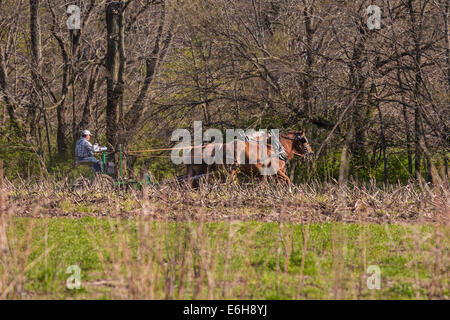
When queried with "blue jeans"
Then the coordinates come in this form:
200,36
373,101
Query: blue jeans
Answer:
96,165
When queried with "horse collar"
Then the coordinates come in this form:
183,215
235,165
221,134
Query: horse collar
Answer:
282,154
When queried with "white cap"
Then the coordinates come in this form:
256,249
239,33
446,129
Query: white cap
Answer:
86,133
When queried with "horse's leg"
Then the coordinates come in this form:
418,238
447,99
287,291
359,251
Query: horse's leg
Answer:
209,172
222,173
265,180
235,166
283,177
232,173
189,174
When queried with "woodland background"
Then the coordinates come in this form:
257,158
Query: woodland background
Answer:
374,103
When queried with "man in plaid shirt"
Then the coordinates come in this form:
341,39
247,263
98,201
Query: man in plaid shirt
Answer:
84,152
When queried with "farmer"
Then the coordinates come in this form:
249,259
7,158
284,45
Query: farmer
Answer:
84,151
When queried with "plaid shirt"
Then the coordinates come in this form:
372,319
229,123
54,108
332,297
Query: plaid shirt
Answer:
84,149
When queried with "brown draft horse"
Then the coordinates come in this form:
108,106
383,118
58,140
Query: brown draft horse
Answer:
249,157
293,143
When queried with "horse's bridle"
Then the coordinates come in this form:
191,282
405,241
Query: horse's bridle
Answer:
298,138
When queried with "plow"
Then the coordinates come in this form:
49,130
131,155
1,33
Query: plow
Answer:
109,179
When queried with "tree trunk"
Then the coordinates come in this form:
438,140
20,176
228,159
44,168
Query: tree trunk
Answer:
36,60
307,82
61,108
447,58
356,145
407,128
382,134
345,158
115,67
447,46
152,60
416,32
85,119
4,90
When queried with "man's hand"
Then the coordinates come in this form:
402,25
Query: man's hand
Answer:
97,148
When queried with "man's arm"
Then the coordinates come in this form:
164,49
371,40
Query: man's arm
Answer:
88,146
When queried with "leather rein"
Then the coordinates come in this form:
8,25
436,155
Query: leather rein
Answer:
287,138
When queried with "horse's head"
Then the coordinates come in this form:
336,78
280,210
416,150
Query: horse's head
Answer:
301,143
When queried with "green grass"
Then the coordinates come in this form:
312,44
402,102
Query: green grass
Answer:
248,260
